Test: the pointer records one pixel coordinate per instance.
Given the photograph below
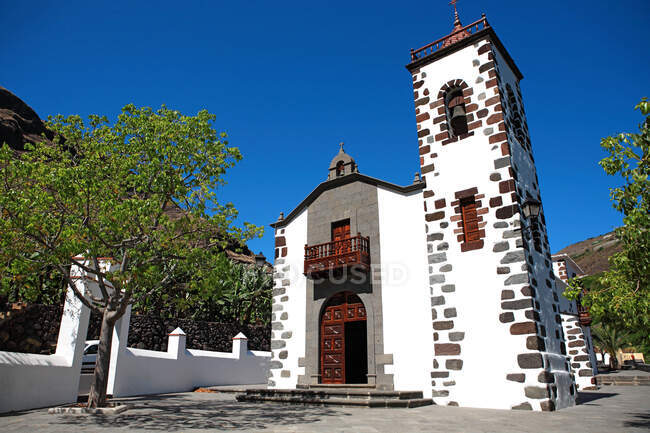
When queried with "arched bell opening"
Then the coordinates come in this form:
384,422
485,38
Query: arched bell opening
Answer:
343,340
456,113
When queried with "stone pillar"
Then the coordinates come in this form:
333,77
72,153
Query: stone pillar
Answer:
176,343
240,345
118,352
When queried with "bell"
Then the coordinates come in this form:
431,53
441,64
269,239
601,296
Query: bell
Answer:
458,120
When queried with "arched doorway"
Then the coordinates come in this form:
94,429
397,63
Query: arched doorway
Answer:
343,340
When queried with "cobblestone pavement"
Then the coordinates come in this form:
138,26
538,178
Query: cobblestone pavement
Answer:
623,409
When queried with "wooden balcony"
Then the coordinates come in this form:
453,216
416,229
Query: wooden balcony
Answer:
333,256
583,316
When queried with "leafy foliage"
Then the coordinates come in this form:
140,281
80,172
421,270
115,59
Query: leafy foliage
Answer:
622,294
242,295
138,196
245,295
610,339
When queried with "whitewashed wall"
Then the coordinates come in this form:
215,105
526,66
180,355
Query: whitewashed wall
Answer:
30,381
289,292
405,291
140,372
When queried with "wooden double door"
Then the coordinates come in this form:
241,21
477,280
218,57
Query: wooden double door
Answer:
343,340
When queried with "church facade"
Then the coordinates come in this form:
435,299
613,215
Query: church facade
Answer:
445,285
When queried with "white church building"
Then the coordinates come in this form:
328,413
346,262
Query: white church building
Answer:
446,285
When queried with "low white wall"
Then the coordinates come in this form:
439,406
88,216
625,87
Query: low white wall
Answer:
29,381
139,372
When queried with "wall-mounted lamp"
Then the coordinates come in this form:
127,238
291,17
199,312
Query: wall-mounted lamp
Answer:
530,208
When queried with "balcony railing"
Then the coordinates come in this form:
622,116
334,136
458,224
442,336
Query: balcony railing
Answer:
335,255
441,43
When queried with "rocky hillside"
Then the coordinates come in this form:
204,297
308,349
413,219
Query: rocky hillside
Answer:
19,123
591,254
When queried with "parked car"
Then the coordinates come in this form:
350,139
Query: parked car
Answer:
90,356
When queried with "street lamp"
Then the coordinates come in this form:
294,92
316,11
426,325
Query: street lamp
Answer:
530,208
260,260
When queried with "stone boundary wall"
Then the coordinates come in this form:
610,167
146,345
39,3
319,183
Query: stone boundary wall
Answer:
150,333
35,328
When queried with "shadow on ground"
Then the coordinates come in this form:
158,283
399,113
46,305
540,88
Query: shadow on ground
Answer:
171,413
640,420
588,397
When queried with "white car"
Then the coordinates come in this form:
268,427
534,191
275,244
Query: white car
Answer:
90,355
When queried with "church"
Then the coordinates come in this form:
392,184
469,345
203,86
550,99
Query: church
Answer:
447,285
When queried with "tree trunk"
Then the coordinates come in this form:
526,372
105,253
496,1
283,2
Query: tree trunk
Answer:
97,395
613,361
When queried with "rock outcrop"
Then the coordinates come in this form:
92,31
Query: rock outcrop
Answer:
19,123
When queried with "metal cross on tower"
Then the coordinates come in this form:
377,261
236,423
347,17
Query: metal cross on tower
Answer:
456,19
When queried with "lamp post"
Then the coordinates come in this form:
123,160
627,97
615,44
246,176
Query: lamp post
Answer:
260,260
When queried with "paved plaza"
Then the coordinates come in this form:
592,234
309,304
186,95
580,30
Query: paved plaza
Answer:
623,409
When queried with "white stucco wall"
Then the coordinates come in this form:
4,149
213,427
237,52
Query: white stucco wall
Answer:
140,372
288,275
405,292
30,381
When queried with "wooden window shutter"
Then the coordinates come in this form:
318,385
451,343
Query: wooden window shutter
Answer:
470,219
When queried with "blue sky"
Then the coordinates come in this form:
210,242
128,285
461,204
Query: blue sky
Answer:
289,80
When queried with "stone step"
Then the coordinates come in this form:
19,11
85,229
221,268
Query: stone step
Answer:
338,385
315,400
623,380
339,397
337,393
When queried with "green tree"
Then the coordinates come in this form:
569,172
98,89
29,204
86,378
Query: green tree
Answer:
140,191
246,294
622,294
610,339
243,296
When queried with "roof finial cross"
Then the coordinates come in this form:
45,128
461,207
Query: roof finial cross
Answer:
456,19
341,146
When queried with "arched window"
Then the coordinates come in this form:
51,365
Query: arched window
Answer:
456,114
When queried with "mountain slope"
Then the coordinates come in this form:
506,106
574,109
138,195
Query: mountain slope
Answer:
592,254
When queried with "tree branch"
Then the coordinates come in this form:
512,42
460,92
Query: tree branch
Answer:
79,295
100,279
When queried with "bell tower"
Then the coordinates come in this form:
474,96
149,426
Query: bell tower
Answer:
496,325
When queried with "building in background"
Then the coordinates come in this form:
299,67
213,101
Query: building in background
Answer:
576,323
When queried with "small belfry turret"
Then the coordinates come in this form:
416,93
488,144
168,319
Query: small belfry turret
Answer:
341,165
476,159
